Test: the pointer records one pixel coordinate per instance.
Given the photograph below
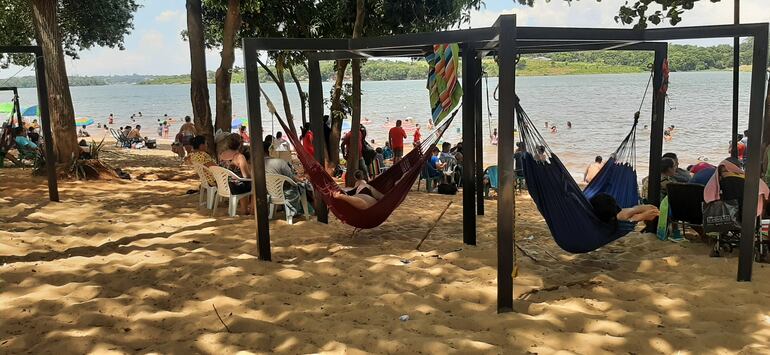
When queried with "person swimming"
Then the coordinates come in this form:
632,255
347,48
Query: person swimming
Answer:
569,125
553,129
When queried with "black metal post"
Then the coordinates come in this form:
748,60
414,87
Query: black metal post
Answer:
736,78
315,91
479,134
754,151
469,143
505,201
656,127
259,186
45,123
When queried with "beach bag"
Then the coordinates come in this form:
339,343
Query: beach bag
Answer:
720,216
151,144
446,189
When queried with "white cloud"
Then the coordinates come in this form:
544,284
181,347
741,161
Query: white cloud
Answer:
169,16
153,39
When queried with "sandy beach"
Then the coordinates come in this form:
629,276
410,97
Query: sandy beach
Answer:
134,266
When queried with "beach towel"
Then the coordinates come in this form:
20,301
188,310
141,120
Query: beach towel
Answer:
443,86
712,190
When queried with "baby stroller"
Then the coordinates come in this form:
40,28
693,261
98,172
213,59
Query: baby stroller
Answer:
729,234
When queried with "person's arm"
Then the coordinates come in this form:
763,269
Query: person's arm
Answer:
244,166
585,175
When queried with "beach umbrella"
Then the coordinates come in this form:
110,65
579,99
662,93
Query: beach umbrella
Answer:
6,107
238,122
84,121
31,111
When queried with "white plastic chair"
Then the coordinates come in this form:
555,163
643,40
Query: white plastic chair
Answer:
222,176
275,185
210,191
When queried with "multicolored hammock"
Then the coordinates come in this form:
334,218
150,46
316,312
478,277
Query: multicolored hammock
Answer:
394,183
445,90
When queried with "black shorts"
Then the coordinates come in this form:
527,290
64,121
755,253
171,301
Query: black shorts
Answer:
398,153
239,187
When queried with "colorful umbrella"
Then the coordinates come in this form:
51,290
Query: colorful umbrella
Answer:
84,121
238,122
6,107
31,111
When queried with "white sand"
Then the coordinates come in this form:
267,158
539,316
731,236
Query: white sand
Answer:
135,267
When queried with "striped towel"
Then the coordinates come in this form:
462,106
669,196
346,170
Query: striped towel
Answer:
445,90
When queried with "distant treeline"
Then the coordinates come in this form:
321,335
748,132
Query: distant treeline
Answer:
29,80
681,58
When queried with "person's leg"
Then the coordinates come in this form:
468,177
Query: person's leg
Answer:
362,166
353,200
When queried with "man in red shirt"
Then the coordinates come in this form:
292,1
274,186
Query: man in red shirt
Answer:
396,136
417,135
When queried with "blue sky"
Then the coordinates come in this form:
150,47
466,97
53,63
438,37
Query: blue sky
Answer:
155,45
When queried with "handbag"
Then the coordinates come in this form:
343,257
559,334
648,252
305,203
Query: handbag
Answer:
721,216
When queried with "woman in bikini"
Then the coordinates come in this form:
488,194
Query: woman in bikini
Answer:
362,195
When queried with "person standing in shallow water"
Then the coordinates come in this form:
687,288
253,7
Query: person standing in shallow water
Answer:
592,169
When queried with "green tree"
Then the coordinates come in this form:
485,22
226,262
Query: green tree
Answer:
63,27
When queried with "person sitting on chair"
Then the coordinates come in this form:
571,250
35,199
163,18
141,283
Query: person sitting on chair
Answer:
233,160
363,195
22,141
732,169
607,210
202,157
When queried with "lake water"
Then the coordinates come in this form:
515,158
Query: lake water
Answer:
600,107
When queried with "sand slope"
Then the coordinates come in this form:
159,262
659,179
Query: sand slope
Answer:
135,267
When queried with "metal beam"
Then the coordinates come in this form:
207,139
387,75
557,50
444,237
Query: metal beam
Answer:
736,80
425,38
754,151
259,186
716,31
505,200
45,122
469,143
315,93
21,49
296,44
479,162
656,128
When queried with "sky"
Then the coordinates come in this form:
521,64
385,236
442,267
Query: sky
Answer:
155,46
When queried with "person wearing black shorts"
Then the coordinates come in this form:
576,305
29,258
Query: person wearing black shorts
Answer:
396,137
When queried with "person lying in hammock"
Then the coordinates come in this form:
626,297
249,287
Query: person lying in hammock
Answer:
607,210
362,196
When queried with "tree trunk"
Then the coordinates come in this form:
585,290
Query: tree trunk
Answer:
199,90
224,103
301,93
65,140
280,64
335,116
355,136
282,87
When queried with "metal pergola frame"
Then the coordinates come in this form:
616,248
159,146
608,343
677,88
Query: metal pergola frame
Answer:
507,40
17,106
45,118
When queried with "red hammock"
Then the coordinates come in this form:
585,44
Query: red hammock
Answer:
394,183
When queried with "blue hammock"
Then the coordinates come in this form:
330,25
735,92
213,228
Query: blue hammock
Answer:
564,206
